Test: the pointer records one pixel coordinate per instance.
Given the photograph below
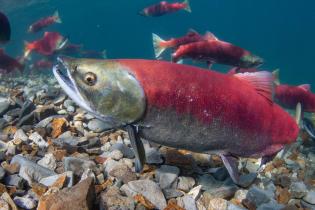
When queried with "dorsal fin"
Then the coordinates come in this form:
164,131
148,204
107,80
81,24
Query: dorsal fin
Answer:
191,32
210,36
306,87
276,75
262,82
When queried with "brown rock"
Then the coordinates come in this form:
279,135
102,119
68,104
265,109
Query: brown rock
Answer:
59,154
79,197
172,205
102,187
111,199
248,204
145,202
10,168
39,189
6,197
218,204
123,172
174,157
58,125
59,183
100,160
283,195
2,188
9,130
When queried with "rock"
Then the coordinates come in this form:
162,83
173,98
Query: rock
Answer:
272,205
59,126
42,112
185,183
195,192
11,148
126,151
26,202
48,161
49,181
43,123
11,168
223,191
217,204
20,134
77,165
220,174
123,172
247,179
307,205
71,109
6,197
98,126
38,140
208,182
298,189
28,107
3,123
4,205
283,181
172,193
79,197
111,199
232,206
31,171
100,179
4,105
258,196
240,195
310,197
115,155
88,173
68,103
2,173
153,156
166,175
149,189
188,203
14,180
109,164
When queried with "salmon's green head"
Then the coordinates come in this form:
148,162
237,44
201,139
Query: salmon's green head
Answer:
104,88
250,61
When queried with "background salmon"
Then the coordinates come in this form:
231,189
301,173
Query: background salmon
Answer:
9,64
44,22
164,8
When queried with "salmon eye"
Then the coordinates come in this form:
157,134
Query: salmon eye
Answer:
90,78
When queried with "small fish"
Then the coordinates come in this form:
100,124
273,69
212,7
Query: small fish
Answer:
289,96
164,8
233,116
5,29
48,45
44,22
9,64
161,45
214,50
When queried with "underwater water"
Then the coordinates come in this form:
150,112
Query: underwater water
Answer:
174,137
281,31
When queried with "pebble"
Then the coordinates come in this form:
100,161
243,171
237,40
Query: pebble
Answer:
272,205
149,189
153,156
50,180
217,204
166,175
77,165
258,196
172,193
247,179
189,202
38,140
298,189
112,199
185,183
115,155
232,206
126,151
26,202
123,172
20,134
98,126
310,197
48,161
14,180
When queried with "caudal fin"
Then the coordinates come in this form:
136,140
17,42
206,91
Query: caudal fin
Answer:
57,17
158,49
187,8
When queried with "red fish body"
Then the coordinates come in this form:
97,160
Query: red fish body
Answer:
51,42
237,70
44,22
164,8
200,110
160,45
9,64
289,96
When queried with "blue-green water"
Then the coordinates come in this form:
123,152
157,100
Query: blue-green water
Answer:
282,31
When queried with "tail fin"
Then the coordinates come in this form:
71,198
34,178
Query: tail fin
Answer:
275,75
57,17
187,8
104,54
158,49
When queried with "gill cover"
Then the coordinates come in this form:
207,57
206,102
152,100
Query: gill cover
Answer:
108,88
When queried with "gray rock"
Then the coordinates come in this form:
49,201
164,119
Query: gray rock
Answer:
3,123
127,152
148,189
223,191
258,196
185,183
98,126
298,189
115,155
71,109
4,105
240,195
14,180
172,193
166,175
50,180
48,161
11,148
26,202
2,173
109,165
123,173
20,134
28,107
307,205
31,171
189,203
310,197
208,182
220,174
271,205
88,173
77,165
43,123
153,156
232,206
68,103
247,179
38,140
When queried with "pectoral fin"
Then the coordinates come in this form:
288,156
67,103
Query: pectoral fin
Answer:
137,147
231,164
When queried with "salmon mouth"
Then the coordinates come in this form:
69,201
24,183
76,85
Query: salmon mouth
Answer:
63,75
